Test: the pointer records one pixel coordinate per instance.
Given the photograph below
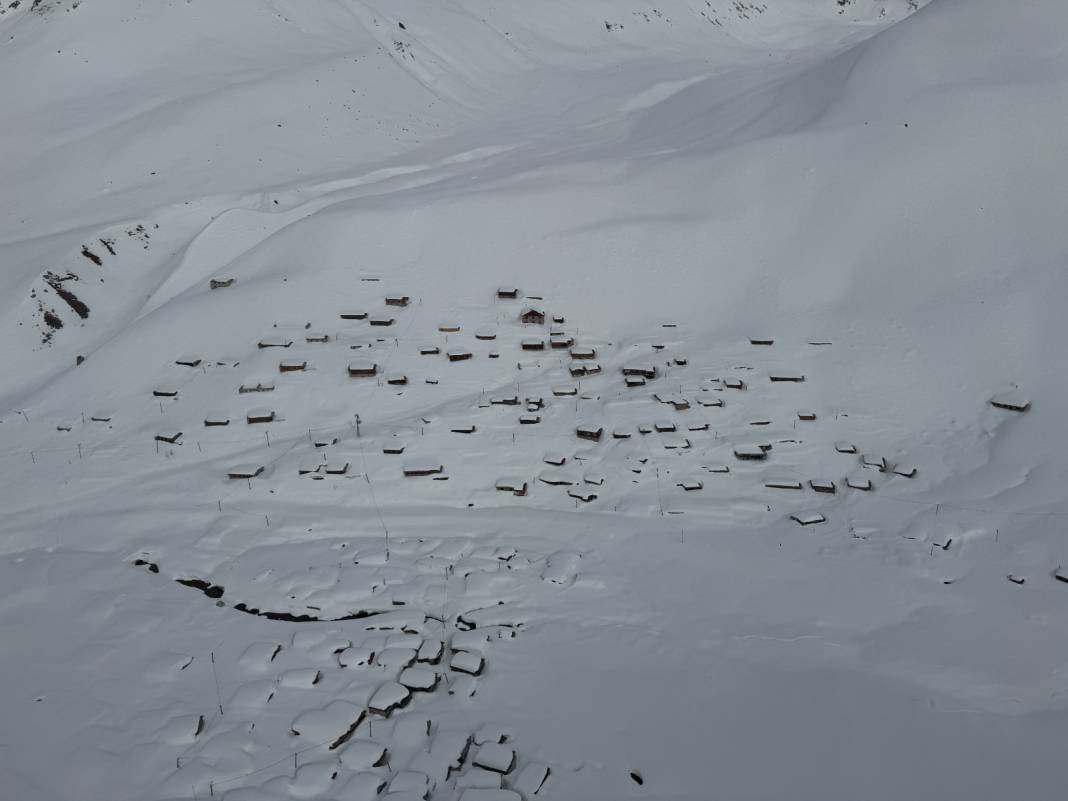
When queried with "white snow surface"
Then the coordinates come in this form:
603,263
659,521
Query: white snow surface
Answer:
875,186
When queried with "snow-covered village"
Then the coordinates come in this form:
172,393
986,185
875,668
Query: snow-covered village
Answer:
510,401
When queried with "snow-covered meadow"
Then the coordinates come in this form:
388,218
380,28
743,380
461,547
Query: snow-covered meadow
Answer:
549,401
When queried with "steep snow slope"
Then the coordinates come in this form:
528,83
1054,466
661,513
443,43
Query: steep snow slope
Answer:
671,182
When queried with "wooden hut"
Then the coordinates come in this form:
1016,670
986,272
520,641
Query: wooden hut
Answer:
486,334
761,341
397,380
592,433
859,483
468,428
532,315
170,437
529,419
824,486
429,350
753,453
274,342
428,468
292,366
782,483
560,341
336,468
583,353
516,486
316,337
691,484
808,518
507,293
354,314
582,494
845,447
256,386
220,283
640,369
165,392
532,344
398,300
633,381
784,376
188,361
212,420
1011,401
459,355
449,328
734,383
381,321
244,471
393,448
565,390
806,415
363,369
260,416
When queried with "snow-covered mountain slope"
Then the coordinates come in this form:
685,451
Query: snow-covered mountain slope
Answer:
823,240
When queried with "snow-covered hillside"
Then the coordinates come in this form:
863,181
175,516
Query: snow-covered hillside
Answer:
302,500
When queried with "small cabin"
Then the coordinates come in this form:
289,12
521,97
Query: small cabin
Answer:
753,453
782,483
459,355
486,334
691,484
504,400
555,459
256,386
274,342
529,419
808,518
170,437
559,319
244,471
642,370
188,361
582,494
260,416
468,428
561,341
905,470
220,283
532,316
681,361
859,483
664,427
634,381
449,328
165,392
535,402
734,383
398,300
786,377
767,341
213,420
309,466
354,314
397,380
806,415
429,350
591,433
676,444
1011,401
565,390
845,447
532,344
711,402
292,366
873,462
507,293
381,321
621,434
583,353
679,403
416,469
558,478
516,486
316,337
362,369
393,448
824,486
